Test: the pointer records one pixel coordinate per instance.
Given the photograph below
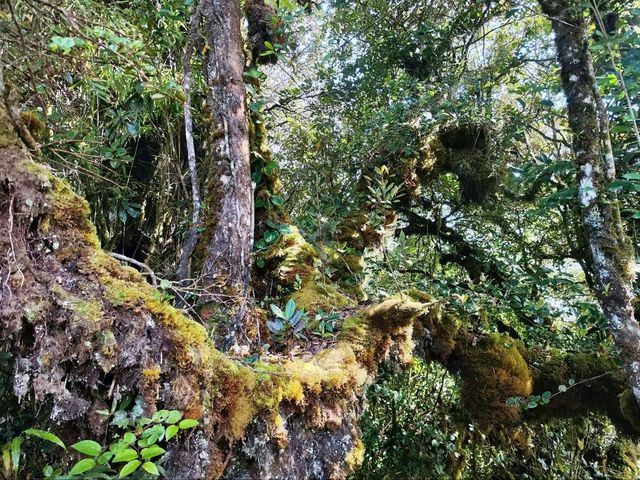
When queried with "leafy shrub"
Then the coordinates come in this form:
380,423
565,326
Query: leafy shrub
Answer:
138,448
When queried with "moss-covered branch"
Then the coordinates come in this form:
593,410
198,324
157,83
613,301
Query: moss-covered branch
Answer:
83,330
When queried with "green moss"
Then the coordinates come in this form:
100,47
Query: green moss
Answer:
440,327
492,369
355,456
397,311
8,137
630,410
107,343
333,369
293,256
314,296
86,311
33,123
630,457
35,310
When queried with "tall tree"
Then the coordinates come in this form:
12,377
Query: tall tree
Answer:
229,197
610,250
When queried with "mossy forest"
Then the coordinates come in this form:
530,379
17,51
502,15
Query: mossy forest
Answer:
319,239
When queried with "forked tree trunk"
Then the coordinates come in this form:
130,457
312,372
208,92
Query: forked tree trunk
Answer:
611,251
227,264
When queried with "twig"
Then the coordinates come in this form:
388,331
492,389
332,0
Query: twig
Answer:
32,77
192,238
617,72
133,261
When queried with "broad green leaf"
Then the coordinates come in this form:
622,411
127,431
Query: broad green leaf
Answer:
82,466
16,444
276,311
129,468
171,432
151,452
105,458
188,423
125,456
88,447
160,416
270,236
151,468
289,309
173,417
45,436
129,438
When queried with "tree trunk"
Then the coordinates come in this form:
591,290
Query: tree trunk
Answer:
610,249
226,267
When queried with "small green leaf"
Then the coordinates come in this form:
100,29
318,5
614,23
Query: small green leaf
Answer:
105,458
132,128
88,447
16,444
50,437
151,452
562,388
82,466
171,432
276,311
125,455
151,468
173,417
160,416
289,309
277,200
129,468
188,423
129,438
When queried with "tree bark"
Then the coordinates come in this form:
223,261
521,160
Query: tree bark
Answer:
227,264
611,251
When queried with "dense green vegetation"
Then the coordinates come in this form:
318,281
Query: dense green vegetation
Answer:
395,146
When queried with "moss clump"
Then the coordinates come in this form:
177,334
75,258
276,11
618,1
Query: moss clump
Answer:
464,150
397,311
35,310
314,296
630,410
292,255
33,123
384,331
152,373
8,137
630,459
492,369
437,332
86,311
355,457
599,382
334,369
